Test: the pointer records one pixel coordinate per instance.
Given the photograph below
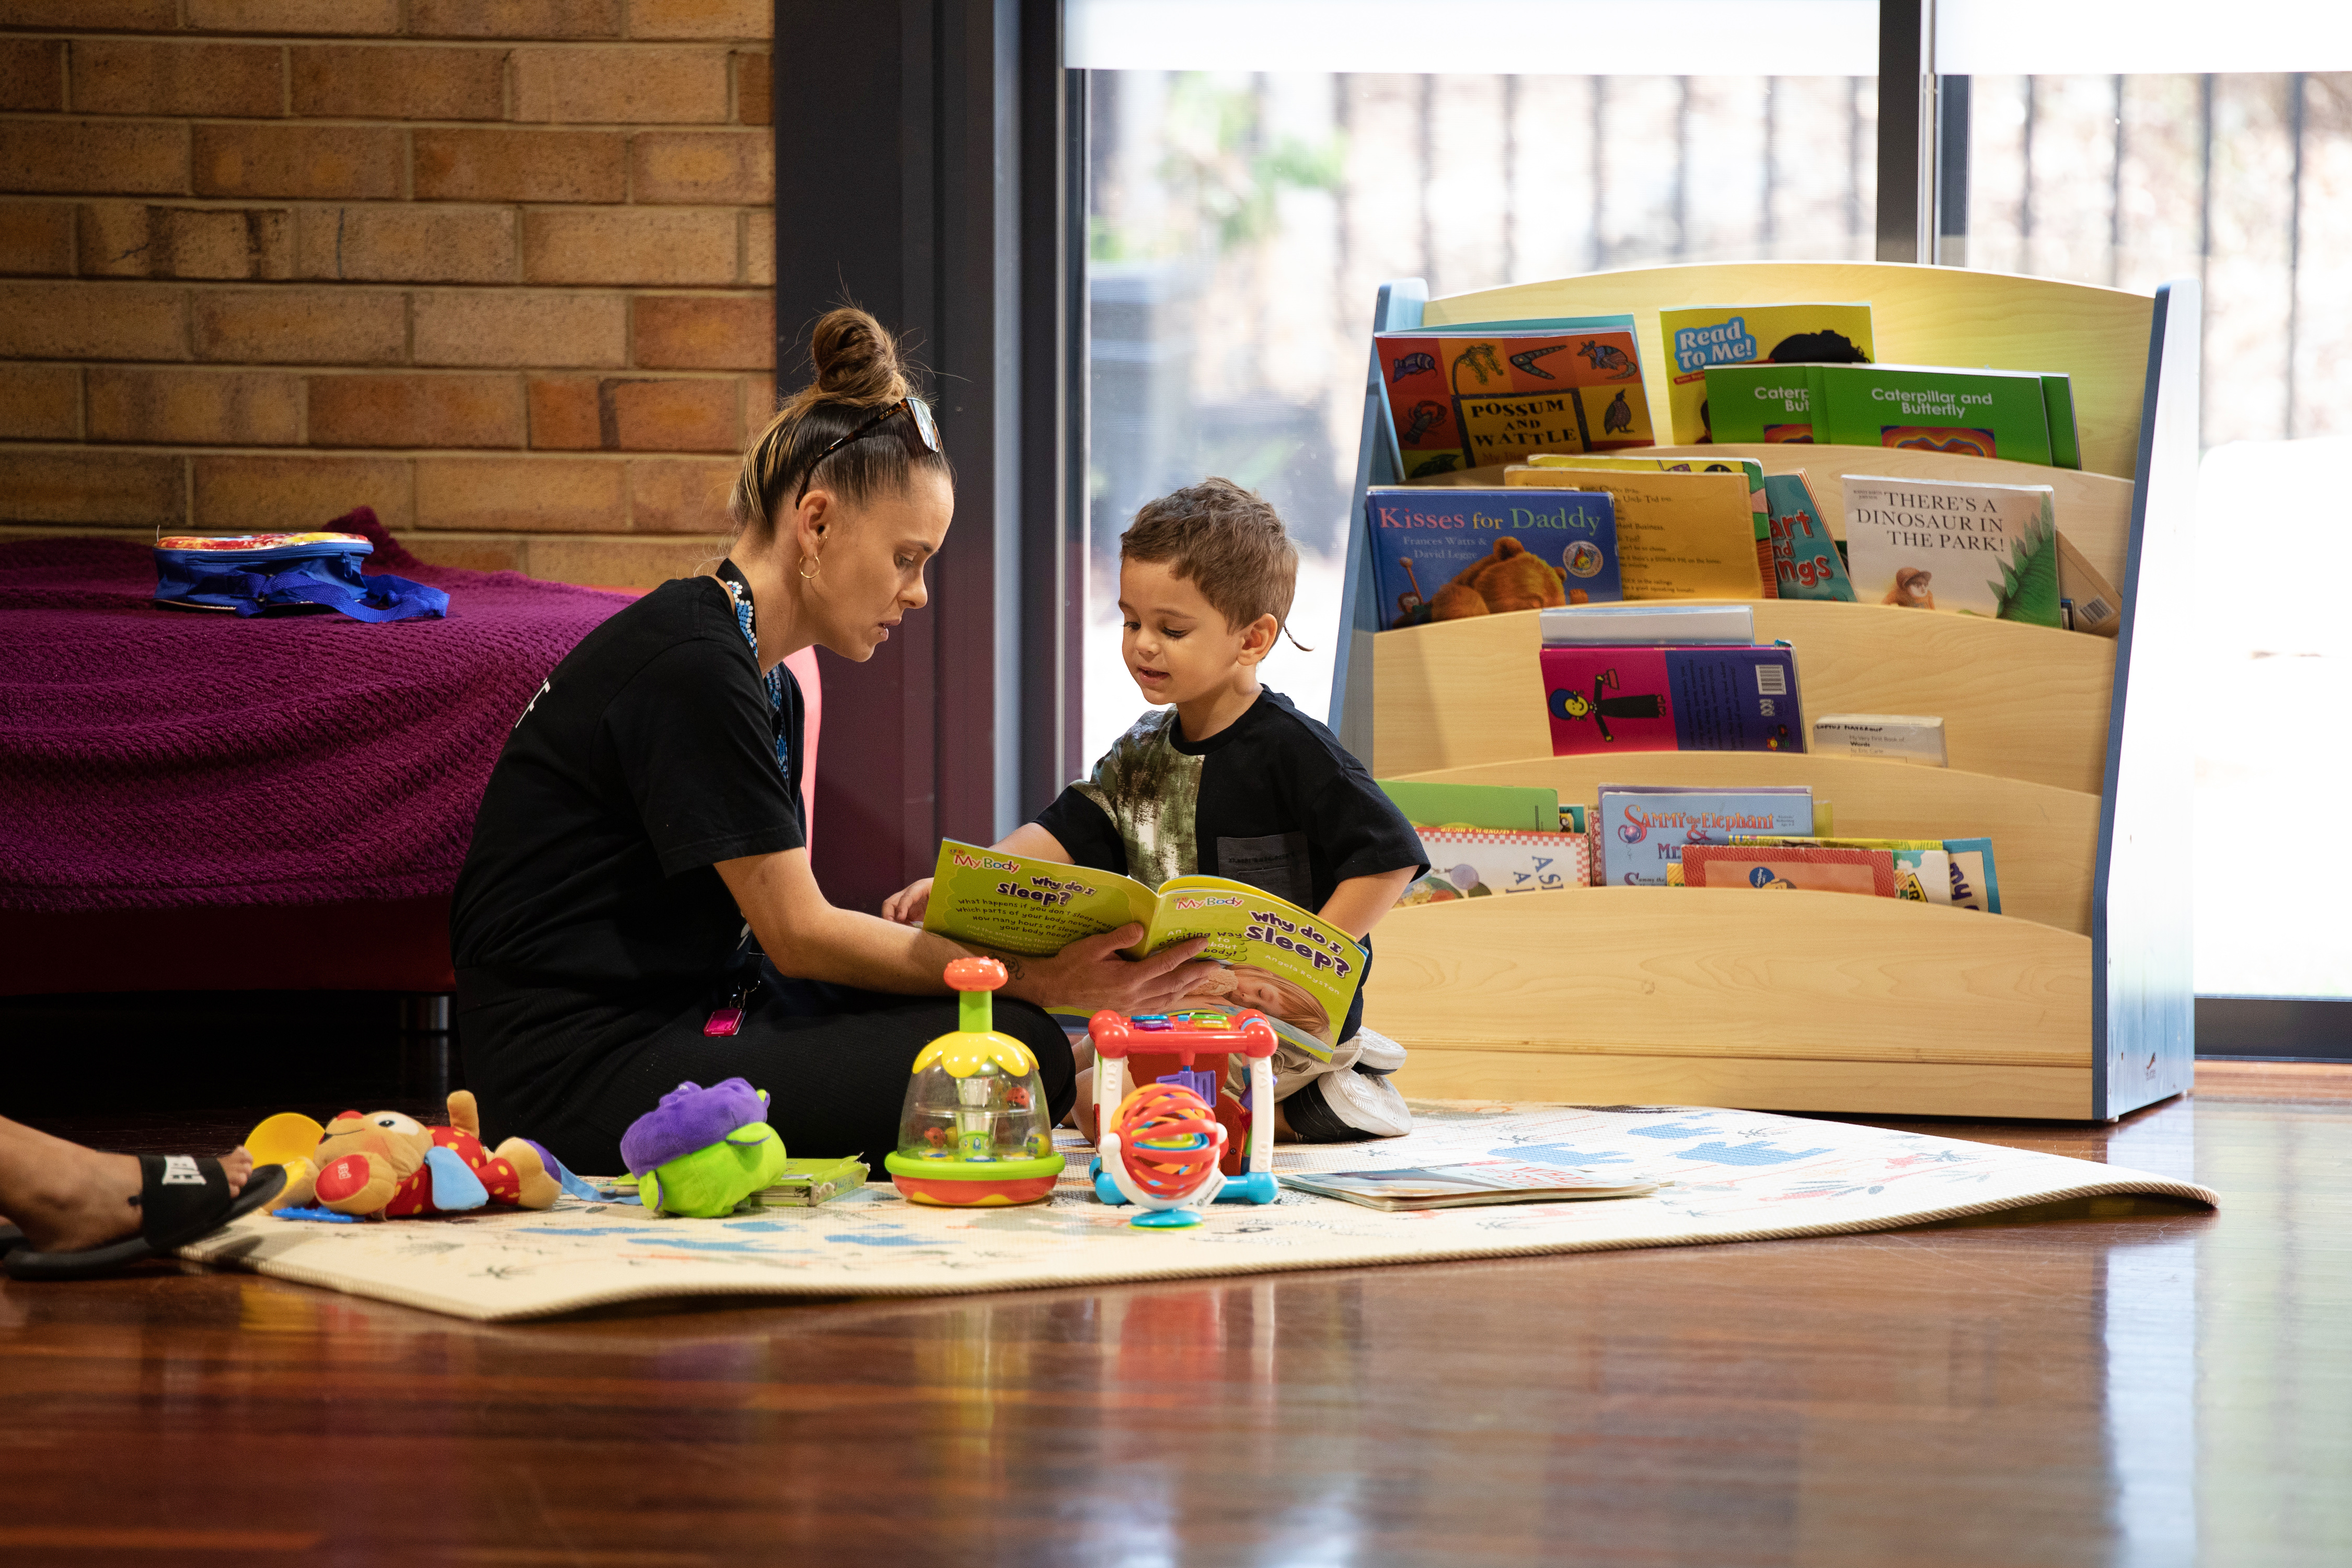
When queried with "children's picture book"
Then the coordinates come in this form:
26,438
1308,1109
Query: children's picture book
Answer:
1673,700
1963,866
1813,867
1272,956
2097,606
1478,862
1805,560
1758,514
1704,337
1927,408
1442,555
1645,828
1684,626
1509,808
1963,549
1466,399
1468,1183
1679,536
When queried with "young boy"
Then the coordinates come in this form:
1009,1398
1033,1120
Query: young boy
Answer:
1225,778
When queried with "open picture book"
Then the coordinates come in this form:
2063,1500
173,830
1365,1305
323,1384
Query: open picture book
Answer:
1272,956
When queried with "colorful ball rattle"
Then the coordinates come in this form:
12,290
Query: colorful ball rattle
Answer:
1161,1150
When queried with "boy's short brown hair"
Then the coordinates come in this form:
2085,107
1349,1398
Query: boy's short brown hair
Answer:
1224,540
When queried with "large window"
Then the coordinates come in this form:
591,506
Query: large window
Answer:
2242,180
1240,219
1239,224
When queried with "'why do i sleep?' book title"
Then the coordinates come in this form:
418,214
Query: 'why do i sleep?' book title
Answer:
1271,954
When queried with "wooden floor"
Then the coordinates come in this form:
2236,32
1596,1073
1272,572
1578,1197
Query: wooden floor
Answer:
2154,1387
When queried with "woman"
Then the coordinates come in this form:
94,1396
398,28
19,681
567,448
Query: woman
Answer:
640,844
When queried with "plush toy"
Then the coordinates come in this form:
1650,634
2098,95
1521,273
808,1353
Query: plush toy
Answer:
1512,578
702,1151
385,1165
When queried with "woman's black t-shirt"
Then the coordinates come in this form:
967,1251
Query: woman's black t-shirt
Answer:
589,906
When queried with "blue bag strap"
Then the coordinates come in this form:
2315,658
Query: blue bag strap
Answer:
383,598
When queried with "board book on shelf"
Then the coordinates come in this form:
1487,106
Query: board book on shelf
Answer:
1679,536
1648,699
1298,969
2023,415
1466,1184
1816,867
1471,399
1479,862
1806,563
1760,516
1699,338
1965,549
1509,808
1970,881
1440,554
1645,828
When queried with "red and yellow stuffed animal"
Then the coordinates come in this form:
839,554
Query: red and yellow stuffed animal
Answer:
385,1165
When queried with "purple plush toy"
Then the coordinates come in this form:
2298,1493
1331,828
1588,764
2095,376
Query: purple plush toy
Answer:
703,1151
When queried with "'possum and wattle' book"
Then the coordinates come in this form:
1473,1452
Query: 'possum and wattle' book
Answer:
1604,699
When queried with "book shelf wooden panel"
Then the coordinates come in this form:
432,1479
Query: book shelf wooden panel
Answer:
2065,751
2045,840
2017,701
1731,976
1919,315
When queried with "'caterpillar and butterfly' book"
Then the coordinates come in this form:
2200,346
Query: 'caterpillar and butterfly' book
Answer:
1473,397
1708,337
1444,553
1601,700
2023,416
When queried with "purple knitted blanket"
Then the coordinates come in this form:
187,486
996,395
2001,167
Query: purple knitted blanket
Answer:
155,758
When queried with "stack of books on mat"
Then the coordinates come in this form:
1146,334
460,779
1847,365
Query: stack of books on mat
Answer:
1558,406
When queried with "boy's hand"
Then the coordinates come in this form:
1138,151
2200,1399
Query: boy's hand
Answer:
1092,974
906,906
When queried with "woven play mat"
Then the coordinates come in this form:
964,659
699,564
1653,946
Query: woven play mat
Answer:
1735,1175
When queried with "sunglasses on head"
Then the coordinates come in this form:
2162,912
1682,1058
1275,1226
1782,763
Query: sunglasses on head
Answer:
918,414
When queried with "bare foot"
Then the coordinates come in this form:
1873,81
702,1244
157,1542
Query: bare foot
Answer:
71,1198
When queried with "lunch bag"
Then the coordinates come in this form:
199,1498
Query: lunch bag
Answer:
253,573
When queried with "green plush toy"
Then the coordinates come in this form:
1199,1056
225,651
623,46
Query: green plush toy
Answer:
701,1152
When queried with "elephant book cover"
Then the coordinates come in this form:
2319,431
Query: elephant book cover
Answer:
1602,699
1963,549
1469,400
1442,555
1706,336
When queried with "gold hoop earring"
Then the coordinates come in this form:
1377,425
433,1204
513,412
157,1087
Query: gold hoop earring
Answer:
807,561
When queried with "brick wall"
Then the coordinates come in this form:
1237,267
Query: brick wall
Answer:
499,268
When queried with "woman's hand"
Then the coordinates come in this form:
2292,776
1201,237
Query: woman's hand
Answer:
1092,974
906,906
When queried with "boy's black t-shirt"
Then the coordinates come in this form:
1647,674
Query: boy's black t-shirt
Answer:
1273,799
589,890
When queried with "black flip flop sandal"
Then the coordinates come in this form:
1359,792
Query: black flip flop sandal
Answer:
181,1197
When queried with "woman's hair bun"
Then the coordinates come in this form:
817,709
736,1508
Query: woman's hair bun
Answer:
856,359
